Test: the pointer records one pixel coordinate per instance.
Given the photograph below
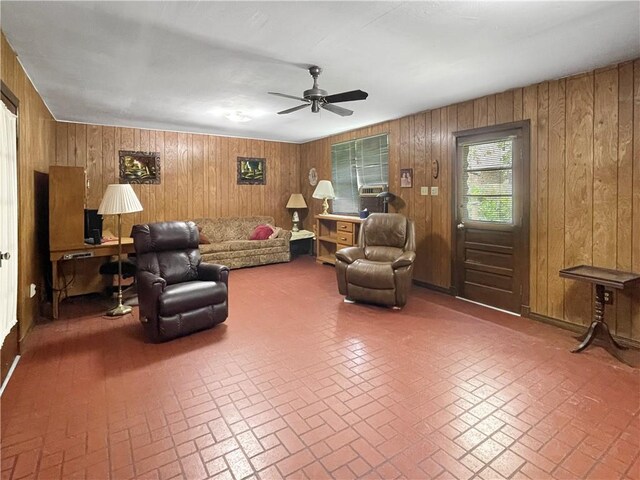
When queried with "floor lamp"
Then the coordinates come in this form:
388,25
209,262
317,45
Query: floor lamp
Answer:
119,199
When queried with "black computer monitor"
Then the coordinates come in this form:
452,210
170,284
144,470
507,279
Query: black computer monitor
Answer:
92,226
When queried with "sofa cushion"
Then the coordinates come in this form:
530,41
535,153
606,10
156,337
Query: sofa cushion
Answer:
249,245
223,229
182,297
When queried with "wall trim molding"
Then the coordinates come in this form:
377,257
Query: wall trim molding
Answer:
627,342
448,291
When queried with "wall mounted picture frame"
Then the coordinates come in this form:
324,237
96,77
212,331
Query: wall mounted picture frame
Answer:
406,177
252,171
139,167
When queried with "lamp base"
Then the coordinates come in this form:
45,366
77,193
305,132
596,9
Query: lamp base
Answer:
119,311
325,207
295,227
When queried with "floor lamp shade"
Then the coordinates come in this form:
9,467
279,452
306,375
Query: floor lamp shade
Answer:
119,198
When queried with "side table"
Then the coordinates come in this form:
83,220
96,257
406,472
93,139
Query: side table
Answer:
301,242
601,278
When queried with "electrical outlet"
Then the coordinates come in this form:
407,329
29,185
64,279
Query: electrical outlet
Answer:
434,191
32,290
424,190
608,297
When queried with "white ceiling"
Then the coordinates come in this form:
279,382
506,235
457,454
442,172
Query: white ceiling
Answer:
183,65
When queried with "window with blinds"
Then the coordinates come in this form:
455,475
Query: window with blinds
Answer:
487,181
355,163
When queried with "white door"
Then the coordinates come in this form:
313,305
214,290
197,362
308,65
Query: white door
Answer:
8,222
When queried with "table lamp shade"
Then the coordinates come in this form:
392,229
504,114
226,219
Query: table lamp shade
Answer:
324,190
119,198
296,200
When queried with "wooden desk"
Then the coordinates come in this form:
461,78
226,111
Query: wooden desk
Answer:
601,278
102,252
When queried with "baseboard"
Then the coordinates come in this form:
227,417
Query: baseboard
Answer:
8,377
627,342
448,291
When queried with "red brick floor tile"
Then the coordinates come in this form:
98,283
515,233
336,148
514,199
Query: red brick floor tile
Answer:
442,389
295,462
578,463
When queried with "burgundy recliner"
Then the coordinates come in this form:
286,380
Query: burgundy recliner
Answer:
177,293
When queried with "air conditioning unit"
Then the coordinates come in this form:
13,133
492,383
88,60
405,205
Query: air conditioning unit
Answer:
368,195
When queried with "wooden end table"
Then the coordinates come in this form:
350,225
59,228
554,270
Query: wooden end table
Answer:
601,278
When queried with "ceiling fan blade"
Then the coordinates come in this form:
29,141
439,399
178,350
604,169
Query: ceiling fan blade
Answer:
343,112
291,110
351,96
288,96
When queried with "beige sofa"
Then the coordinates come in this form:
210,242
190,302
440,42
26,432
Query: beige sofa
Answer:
230,244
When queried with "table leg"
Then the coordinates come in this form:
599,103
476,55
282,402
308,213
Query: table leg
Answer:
599,324
55,294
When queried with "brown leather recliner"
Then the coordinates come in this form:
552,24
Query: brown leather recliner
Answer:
379,270
177,293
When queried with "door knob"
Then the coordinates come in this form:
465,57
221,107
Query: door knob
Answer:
4,256
460,226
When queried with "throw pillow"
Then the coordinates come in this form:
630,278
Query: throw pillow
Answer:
261,232
202,238
276,232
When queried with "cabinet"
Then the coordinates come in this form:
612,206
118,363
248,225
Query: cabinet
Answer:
66,207
334,232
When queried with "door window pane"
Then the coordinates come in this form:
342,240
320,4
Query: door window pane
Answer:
487,181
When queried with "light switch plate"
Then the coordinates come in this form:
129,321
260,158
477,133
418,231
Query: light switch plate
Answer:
424,190
434,190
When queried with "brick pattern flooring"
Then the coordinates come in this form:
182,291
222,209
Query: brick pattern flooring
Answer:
298,384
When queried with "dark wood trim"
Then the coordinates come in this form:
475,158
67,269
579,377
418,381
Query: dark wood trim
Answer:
10,97
448,291
525,127
627,342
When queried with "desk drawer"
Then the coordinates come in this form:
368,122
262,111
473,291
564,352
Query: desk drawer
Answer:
344,227
345,238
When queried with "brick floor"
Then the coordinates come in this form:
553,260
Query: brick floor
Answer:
297,384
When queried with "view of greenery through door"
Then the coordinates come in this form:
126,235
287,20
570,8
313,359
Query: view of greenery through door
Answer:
487,181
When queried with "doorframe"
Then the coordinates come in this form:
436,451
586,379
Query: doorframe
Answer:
9,96
525,127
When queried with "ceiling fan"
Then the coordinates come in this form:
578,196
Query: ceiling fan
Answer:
318,98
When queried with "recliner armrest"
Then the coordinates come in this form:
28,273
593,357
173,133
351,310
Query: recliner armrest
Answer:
404,260
150,287
350,254
212,272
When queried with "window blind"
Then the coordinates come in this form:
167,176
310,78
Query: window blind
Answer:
364,161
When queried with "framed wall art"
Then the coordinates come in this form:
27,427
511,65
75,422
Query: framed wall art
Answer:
139,167
251,171
406,177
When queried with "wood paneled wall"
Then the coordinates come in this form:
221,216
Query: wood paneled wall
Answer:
36,149
198,172
584,183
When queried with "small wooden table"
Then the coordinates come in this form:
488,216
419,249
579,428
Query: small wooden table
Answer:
58,256
601,278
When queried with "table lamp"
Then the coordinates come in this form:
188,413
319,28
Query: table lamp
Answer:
296,200
119,199
324,191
